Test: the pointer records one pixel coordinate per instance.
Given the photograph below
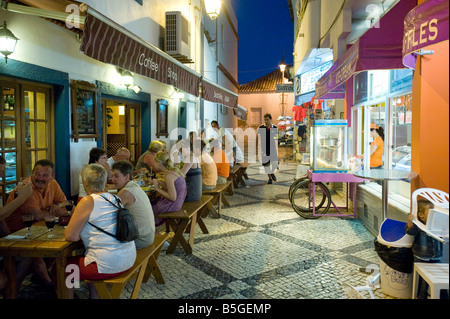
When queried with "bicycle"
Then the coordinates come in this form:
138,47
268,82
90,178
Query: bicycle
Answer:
301,197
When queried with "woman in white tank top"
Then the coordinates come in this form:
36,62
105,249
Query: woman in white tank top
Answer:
105,256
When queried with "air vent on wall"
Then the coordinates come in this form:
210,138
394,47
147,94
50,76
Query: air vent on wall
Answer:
177,41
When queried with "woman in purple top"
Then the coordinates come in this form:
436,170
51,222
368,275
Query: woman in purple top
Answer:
172,192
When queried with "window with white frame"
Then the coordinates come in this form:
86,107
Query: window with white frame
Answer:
383,99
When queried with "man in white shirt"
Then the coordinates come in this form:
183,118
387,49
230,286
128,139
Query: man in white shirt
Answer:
237,155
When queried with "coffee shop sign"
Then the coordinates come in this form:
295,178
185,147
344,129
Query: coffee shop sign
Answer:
219,96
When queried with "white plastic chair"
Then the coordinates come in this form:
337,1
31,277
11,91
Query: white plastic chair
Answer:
438,198
355,292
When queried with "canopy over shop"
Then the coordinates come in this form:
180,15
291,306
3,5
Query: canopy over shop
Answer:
378,49
425,25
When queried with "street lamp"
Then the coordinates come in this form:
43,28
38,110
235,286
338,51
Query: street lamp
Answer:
8,41
282,69
213,8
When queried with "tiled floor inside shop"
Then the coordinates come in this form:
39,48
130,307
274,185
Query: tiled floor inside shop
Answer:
260,248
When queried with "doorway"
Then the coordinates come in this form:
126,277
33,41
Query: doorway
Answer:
122,127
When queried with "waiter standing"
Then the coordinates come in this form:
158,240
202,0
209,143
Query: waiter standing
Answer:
268,134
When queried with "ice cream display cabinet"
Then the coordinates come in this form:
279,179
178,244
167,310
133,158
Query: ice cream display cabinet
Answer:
328,146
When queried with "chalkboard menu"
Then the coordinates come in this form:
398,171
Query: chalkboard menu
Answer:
162,110
84,110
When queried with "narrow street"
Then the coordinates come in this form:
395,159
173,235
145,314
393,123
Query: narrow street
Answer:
261,248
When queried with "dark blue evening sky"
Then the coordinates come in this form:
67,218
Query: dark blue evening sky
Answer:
265,30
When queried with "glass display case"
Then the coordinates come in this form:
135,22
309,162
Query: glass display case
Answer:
328,146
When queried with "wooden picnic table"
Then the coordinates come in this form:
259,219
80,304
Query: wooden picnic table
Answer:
37,245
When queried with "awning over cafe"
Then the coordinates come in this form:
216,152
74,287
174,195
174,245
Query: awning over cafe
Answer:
214,93
380,48
106,41
425,25
241,113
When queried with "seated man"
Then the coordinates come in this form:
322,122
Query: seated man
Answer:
136,200
221,160
46,198
122,154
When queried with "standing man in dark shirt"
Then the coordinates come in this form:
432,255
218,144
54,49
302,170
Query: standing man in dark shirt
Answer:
268,134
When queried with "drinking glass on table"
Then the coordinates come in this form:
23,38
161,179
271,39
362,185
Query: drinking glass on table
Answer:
28,221
69,206
50,222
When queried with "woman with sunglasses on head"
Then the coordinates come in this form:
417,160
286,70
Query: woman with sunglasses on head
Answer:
376,147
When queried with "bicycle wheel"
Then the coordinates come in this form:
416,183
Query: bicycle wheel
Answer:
295,183
302,197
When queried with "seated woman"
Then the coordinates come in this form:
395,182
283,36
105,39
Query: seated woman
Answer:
146,160
172,192
193,170
96,156
23,193
105,256
209,169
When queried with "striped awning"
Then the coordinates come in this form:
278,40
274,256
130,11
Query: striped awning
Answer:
241,113
213,93
108,42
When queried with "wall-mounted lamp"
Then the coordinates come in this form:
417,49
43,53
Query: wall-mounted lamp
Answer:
213,8
8,41
137,89
127,79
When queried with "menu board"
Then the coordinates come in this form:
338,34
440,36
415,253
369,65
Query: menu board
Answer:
162,128
84,115
85,112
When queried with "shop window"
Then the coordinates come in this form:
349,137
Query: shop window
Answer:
25,132
390,111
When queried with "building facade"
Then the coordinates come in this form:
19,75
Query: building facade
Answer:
64,87
372,85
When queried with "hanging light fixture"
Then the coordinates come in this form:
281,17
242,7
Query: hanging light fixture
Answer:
127,79
8,41
213,8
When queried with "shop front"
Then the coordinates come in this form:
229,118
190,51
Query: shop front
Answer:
378,97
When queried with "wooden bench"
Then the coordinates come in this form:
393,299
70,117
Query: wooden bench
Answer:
241,174
189,214
232,179
143,267
218,194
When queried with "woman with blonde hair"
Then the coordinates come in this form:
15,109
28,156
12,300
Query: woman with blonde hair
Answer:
172,192
146,160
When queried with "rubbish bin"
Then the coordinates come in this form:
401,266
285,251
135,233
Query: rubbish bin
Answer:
393,247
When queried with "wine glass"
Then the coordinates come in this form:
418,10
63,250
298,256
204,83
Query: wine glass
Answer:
69,206
50,222
28,221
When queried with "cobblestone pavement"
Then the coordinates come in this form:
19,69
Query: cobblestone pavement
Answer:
260,248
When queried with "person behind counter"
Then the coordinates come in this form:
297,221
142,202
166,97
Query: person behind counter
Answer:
376,147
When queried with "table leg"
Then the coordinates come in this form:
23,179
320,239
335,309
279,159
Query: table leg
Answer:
384,197
11,285
314,198
61,289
